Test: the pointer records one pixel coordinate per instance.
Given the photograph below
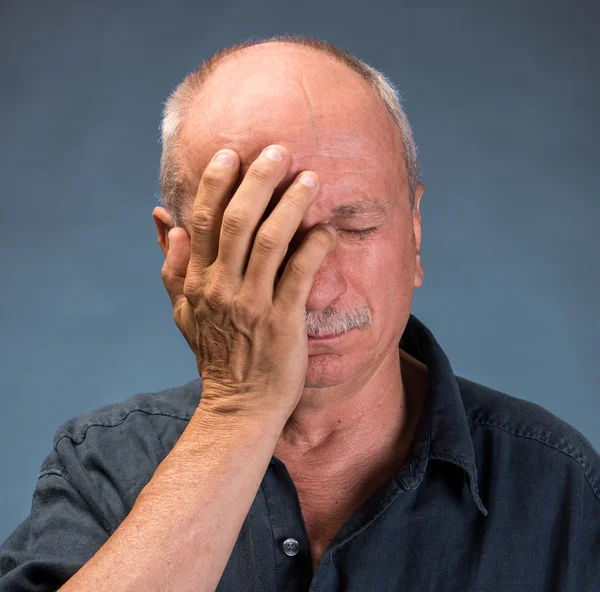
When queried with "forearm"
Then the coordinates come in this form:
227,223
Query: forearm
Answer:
184,524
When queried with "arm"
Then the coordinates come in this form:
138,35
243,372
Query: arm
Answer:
185,522
251,351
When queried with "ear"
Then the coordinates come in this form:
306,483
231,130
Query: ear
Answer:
419,273
162,219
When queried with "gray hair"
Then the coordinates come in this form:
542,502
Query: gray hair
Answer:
174,188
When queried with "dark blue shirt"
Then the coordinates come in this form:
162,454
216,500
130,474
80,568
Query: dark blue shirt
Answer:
497,494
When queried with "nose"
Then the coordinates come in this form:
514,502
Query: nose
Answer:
328,287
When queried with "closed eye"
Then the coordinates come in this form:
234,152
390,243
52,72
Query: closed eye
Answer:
361,233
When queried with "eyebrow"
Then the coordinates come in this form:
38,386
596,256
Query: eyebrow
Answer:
360,206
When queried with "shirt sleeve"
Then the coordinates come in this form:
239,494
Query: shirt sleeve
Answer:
58,537
588,553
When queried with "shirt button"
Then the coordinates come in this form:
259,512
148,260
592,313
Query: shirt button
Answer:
290,547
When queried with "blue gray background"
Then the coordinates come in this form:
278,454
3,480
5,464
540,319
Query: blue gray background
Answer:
503,97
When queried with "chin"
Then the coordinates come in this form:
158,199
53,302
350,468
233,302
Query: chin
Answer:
326,370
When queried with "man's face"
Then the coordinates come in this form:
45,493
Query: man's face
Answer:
332,123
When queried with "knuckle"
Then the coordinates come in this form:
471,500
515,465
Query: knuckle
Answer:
244,311
298,265
213,180
268,239
194,283
259,175
296,198
234,219
215,296
203,220
166,274
190,289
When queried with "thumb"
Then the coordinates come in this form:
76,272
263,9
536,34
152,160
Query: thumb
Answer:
174,269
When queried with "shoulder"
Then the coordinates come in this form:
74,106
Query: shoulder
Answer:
508,422
109,454
176,403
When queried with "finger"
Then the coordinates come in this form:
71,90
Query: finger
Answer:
299,274
214,191
173,275
274,236
174,269
245,210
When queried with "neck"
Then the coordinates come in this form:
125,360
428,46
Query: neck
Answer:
337,427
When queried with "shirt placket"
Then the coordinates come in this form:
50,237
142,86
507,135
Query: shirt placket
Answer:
292,551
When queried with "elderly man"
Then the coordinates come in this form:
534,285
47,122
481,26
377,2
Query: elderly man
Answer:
327,444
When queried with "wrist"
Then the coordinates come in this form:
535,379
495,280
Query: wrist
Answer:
224,414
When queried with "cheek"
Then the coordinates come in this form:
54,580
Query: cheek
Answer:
380,259
384,271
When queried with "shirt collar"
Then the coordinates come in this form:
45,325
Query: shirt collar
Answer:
443,432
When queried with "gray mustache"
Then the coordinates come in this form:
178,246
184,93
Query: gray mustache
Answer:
328,322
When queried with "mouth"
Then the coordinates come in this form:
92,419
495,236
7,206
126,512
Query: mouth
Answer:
327,337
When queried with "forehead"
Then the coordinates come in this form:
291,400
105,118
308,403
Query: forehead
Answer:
330,120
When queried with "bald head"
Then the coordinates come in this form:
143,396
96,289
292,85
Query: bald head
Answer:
325,113
251,95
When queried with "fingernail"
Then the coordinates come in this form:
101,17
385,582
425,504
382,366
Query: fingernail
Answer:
329,228
308,180
224,159
274,154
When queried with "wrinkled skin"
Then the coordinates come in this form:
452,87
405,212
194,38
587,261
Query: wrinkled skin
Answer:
357,393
